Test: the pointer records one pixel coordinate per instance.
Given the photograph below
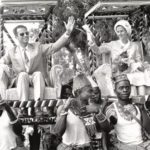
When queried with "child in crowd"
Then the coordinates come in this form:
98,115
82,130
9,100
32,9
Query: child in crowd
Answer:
99,139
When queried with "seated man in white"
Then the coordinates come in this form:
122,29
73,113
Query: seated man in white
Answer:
29,63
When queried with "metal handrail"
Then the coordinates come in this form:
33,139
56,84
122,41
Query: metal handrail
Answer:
120,3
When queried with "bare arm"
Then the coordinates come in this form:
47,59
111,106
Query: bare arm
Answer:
60,125
59,110
103,49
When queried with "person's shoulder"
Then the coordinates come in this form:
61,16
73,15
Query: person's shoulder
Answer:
135,43
110,110
109,43
110,107
108,46
113,43
33,44
11,50
59,109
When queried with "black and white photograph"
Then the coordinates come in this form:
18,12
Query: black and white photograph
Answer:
74,74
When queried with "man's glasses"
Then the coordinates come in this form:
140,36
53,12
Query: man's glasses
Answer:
23,34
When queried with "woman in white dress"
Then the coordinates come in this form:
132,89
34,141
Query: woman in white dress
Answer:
125,57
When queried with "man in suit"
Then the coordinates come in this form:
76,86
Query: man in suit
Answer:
29,63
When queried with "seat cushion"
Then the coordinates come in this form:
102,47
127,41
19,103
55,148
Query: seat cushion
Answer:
50,93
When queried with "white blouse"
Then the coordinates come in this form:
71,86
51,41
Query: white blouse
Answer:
7,136
75,133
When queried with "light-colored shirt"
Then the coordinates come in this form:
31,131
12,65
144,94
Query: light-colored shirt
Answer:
75,133
116,48
128,130
7,136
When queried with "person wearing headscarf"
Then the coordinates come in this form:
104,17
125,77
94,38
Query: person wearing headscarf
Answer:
123,56
77,121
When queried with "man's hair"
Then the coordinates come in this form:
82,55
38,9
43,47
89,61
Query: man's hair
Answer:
17,27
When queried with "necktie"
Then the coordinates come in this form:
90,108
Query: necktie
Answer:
25,56
26,60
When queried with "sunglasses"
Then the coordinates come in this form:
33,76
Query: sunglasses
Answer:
23,34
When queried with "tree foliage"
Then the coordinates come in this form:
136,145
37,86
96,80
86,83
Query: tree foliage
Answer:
103,29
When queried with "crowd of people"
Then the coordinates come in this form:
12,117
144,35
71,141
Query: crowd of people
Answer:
84,121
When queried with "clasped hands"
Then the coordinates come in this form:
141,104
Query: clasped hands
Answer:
137,67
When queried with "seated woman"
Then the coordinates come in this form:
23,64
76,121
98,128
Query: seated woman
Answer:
77,120
125,57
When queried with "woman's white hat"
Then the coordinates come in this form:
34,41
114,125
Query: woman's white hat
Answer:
125,24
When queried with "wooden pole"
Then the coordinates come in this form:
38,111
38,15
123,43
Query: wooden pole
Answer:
10,38
128,3
1,31
106,16
29,2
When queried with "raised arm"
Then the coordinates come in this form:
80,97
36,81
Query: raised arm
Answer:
62,112
104,48
54,47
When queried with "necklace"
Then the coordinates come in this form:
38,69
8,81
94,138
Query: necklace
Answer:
124,111
124,46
